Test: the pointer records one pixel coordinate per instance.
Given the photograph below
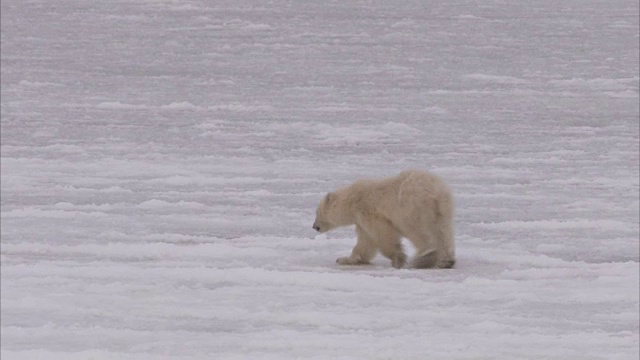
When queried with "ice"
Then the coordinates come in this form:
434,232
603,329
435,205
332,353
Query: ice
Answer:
498,79
161,163
116,105
183,105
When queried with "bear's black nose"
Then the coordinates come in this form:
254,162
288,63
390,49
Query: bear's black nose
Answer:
316,228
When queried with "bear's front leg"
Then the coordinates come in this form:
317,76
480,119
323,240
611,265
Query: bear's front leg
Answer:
388,241
395,253
362,253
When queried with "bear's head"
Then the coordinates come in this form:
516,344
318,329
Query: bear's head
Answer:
325,215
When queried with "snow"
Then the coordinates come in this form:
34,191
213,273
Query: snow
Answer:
162,161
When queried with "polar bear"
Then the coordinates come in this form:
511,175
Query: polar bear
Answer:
414,204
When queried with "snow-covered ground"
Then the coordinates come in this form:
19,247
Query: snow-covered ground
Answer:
162,161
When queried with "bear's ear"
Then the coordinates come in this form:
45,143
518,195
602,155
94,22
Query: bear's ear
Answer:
328,198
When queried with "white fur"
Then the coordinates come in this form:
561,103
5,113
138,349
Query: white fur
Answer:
414,204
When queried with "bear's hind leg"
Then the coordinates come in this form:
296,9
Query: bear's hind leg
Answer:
444,231
426,256
424,260
430,251
362,253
